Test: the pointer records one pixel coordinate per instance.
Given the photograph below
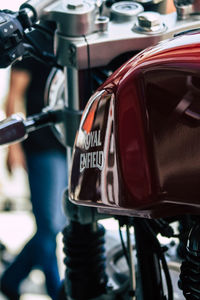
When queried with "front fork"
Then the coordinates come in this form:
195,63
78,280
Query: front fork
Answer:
85,276
83,237
84,248
85,258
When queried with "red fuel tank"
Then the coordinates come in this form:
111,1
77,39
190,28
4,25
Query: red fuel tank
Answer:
137,151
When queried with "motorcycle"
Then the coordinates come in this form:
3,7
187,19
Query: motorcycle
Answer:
135,155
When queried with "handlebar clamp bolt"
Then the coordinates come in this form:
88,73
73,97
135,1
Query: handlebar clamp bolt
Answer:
149,20
75,4
149,23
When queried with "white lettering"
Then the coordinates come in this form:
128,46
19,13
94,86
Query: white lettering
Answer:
94,160
91,160
87,141
82,162
100,161
99,138
93,139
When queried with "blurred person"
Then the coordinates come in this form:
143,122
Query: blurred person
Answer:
45,160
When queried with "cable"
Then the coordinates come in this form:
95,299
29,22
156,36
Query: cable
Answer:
43,29
123,246
42,56
89,65
30,51
162,258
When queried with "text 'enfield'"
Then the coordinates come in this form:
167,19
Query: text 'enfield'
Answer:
92,159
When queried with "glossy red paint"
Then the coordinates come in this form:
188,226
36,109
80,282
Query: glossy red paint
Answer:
151,150
132,141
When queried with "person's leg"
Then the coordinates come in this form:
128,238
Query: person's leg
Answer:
16,272
48,179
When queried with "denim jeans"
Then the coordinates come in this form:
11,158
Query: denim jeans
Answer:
47,174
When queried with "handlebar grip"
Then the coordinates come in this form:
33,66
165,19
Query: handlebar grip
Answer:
36,6
12,130
16,128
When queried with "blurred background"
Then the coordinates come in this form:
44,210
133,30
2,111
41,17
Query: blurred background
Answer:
17,223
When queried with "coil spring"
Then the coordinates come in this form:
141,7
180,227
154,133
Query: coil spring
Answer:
85,275
190,269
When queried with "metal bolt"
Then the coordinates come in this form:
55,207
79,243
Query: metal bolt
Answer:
74,4
102,23
72,49
149,19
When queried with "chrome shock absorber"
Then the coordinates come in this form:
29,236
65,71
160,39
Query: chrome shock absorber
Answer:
190,269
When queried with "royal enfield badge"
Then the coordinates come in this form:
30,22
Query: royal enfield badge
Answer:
93,159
